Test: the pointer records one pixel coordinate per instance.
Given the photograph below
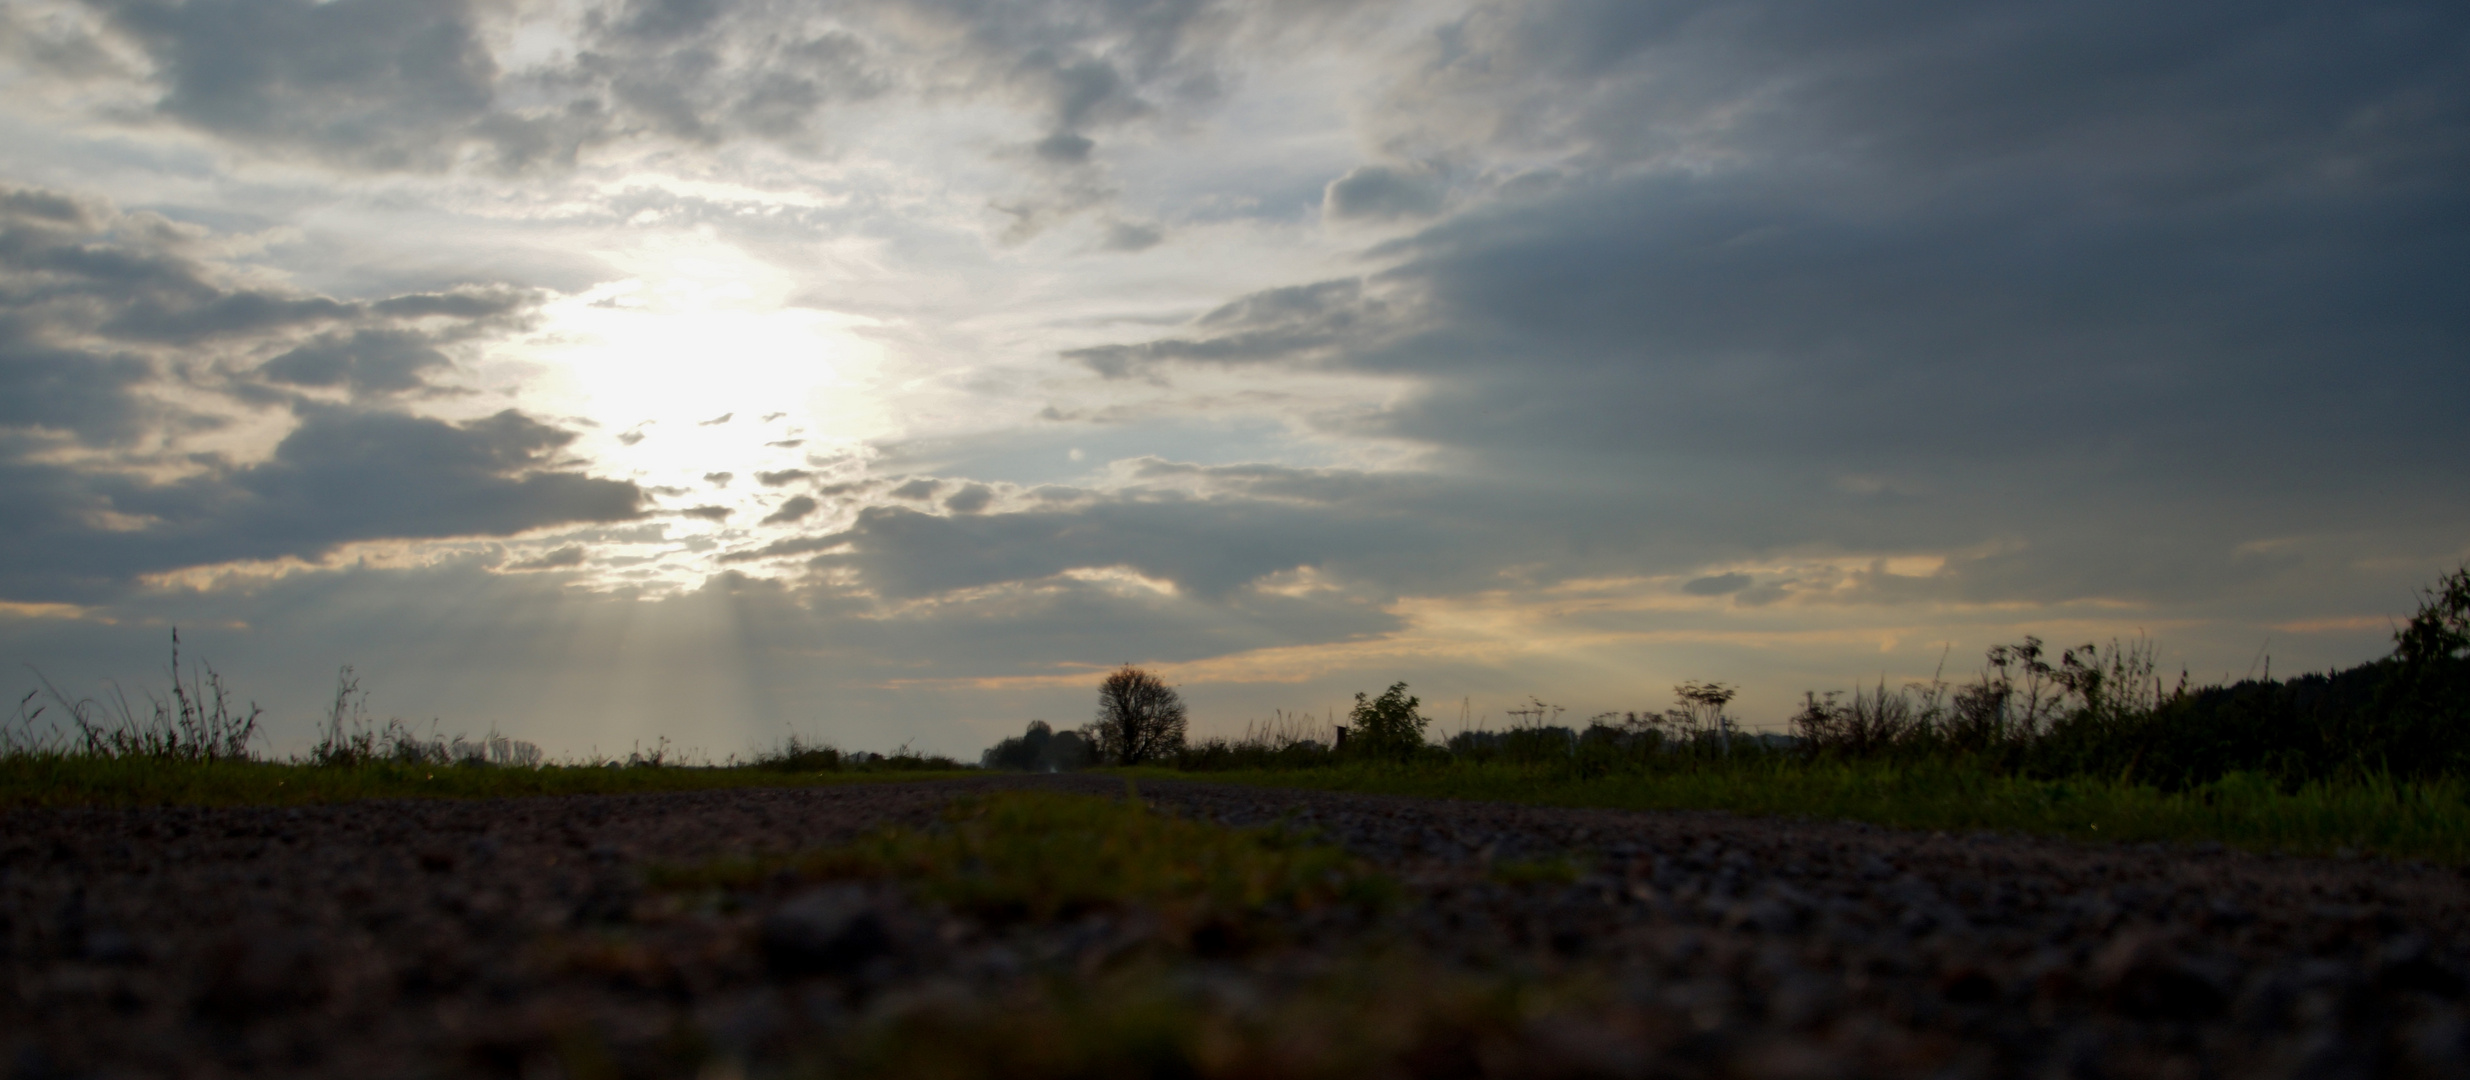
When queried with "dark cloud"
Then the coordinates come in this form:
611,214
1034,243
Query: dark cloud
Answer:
1210,531
106,316
920,488
1064,148
365,361
413,85
97,304
1131,236
719,479
721,419
341,475
708,513
970,500
1937,277
1380,192
1717,585
1292,324
796,507
387,84
782,476
571,555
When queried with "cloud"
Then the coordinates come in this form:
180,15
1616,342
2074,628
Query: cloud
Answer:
342,475
1717,584
1131,236
365,361
406,85
1294,324
782,476
1895,278
970,500
796,507
1064,148
1381,192
571,555
97,305
707,512
119,335
388,84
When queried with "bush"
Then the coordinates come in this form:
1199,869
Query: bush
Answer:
796,755
1387,726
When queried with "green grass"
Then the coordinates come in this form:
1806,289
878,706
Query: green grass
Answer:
2395,820
1039,855
51,779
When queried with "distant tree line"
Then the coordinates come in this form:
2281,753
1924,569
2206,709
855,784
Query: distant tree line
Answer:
2031,710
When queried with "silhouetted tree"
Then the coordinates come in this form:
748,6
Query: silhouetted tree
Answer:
1387,726
1140,718
1039,749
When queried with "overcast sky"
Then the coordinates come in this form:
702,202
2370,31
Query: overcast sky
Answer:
887,370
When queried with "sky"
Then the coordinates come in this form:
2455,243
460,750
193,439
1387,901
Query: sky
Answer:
887,371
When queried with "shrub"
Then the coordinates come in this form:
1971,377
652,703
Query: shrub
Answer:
796,755
1387,726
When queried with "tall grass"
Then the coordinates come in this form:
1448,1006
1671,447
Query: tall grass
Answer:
193,745
197,721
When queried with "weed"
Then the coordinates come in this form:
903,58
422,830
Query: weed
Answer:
198,722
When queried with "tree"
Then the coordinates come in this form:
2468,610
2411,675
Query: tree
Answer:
1386,726
2441,629
1140,718
1039,749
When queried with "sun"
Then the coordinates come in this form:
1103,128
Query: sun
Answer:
698,365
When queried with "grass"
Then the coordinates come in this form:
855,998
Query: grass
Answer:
194,747
2398,820
61,779
1039,856
1214,892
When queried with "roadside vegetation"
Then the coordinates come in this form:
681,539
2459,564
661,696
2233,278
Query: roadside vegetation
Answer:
2090,742
195,744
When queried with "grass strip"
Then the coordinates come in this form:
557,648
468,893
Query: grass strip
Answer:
32,780
1016,856
2392,819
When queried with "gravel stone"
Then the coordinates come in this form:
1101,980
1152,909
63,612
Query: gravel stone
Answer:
419,938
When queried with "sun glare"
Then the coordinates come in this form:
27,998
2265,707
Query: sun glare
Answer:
699,366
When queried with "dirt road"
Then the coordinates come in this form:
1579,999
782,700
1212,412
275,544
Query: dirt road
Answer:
518,938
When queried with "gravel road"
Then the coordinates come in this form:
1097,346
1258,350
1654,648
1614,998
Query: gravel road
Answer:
437,938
